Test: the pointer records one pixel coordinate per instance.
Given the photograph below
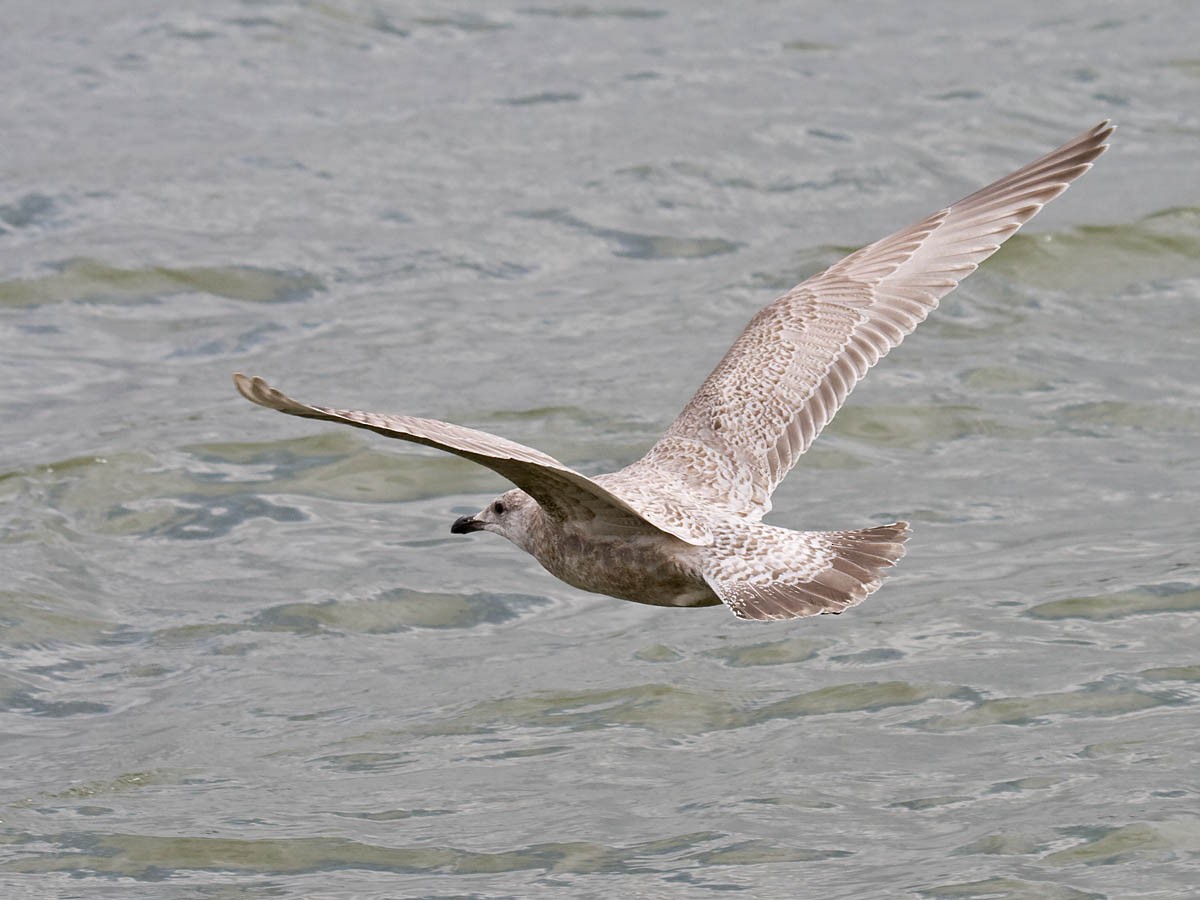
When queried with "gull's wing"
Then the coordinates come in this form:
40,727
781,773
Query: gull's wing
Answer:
790,370
561,491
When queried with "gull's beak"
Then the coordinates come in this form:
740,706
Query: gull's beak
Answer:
464,525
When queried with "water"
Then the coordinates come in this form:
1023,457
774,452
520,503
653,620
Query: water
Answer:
242,656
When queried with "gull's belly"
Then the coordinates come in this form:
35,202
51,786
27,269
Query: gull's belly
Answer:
656,570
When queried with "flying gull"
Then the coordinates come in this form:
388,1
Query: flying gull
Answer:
682,525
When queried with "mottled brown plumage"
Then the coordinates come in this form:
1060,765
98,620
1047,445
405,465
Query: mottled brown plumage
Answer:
681,526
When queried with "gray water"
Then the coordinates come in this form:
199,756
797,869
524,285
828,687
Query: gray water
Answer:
243,657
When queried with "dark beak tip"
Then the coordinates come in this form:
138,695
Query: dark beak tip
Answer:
464,525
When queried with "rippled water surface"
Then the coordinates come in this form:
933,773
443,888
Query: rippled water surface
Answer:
243,657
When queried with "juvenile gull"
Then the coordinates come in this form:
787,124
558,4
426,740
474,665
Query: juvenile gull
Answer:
682,525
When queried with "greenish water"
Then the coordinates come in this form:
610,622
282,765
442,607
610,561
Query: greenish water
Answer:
241,655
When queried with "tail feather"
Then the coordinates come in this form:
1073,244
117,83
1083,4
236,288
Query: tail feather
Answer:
771,573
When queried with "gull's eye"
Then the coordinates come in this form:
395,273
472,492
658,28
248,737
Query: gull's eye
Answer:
498,508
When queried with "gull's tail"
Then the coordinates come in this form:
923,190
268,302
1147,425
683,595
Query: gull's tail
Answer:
763,572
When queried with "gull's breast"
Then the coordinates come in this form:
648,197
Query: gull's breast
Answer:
655,569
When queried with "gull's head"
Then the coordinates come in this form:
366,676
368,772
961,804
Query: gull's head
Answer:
508,516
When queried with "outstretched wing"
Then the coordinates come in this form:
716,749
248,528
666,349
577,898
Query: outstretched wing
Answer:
562,492
790,370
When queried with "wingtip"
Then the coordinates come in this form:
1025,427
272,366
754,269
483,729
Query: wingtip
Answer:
242,383
1103,131
253,388
1088,147
257,391
1095,139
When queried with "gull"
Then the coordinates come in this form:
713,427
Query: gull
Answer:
683,526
